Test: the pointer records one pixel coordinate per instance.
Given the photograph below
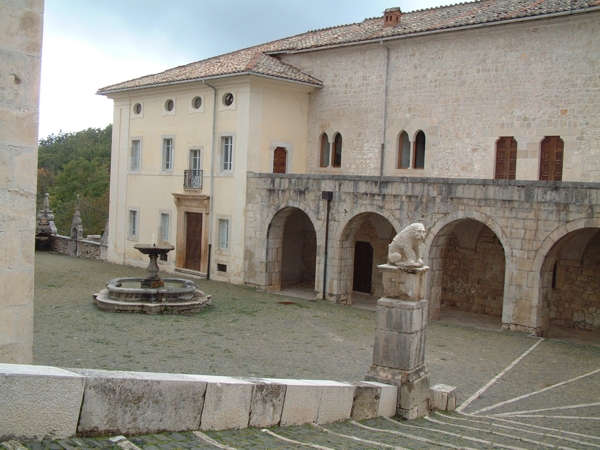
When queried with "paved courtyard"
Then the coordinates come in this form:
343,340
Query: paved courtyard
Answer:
515,391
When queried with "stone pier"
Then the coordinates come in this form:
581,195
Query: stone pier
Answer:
399,351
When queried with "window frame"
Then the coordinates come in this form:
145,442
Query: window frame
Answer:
325,151
161,229
226,167
417,150
224,239
132,166
170,152
403,151
133,226
336,157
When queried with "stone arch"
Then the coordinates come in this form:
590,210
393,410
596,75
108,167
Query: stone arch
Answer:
284,264
568,282
364,225
464,231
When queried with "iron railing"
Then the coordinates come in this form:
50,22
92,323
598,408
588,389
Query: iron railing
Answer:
192,179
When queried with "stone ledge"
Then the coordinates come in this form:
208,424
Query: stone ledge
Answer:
87,402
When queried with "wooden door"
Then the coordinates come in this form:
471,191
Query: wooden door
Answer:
193,241
551,161
279,160
506,158
363,267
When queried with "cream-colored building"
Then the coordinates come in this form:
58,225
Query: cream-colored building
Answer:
478,119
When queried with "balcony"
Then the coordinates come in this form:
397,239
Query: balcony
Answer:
192,179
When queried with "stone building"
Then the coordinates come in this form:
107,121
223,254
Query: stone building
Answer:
297,161
20,63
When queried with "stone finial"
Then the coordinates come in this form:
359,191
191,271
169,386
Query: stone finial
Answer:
405,249
76,224
45,220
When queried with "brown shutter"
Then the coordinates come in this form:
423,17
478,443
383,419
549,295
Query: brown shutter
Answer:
506,158
279,160
551,161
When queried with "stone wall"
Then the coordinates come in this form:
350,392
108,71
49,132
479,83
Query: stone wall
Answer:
464,89
20,59
82,248
527,217
473,279
575,301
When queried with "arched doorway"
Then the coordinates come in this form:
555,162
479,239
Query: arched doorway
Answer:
570,285
364,243
468,270
291,252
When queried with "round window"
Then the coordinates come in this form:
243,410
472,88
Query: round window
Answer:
228,99
137,108
169,105
197,102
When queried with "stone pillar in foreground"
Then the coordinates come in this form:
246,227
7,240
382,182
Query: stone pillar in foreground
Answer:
399,351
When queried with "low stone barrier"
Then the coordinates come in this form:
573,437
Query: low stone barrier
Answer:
84,248
40,402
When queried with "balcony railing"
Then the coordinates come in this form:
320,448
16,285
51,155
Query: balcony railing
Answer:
192,179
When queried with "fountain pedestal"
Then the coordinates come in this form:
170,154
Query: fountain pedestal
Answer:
153,281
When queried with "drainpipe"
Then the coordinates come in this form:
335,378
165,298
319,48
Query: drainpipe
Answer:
385,96
212,177
326,195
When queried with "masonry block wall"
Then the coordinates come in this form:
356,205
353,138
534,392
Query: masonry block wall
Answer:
473,278
531,221
463,89
20,51
576,298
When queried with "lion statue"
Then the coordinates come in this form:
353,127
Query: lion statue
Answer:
405,249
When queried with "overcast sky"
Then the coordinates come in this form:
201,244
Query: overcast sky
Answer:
92,44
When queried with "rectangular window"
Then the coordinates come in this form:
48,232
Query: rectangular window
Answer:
224,234
165,227
226,153
168,154
194,159
135,154
133,223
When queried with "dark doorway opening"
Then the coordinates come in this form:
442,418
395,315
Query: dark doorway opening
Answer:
363,267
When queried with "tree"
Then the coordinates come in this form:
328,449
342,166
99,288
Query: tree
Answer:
76,163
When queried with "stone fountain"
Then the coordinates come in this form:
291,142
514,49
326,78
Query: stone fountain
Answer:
152,295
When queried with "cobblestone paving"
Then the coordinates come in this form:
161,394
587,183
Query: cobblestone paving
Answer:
516,391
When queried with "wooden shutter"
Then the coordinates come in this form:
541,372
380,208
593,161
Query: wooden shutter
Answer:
506,158
279,160
551,161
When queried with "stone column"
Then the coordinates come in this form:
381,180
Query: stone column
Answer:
20,60
399,351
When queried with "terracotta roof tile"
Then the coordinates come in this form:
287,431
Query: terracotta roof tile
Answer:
262,59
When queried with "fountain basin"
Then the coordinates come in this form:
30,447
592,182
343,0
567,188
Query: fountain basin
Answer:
177,296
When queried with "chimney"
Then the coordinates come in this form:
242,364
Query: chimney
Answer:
391,17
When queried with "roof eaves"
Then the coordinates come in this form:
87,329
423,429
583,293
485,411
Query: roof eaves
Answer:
103,91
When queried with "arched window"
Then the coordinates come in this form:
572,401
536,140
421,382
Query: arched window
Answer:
551,161
403,151
324,160
419,151
506,158
337,155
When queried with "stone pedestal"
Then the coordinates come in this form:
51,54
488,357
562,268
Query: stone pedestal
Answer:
399,351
